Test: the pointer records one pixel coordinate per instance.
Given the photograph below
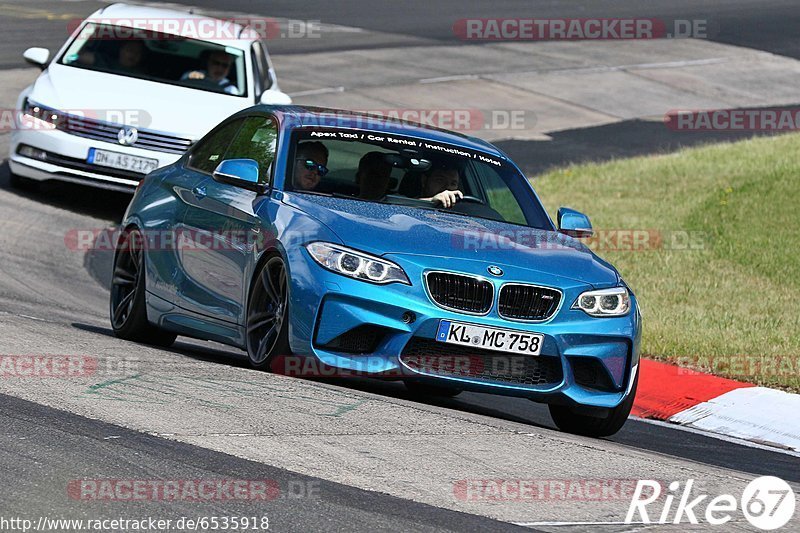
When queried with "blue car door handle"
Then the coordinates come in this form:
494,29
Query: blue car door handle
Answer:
200,191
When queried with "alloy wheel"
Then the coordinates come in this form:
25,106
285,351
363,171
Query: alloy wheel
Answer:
267,312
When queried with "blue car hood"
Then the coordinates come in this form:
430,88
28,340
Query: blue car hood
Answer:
383,229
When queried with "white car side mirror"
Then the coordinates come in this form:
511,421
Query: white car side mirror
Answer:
37,56
275,97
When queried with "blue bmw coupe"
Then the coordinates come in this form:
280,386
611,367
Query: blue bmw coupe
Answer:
336,243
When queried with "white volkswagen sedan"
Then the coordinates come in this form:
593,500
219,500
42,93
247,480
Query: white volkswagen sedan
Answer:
131,90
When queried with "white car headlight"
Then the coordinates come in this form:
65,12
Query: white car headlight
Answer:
605,302
49,116
355,264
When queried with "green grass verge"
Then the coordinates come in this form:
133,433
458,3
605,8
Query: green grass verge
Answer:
732,304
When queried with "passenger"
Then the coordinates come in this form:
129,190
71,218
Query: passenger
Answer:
373,176
130,58
218,67
309,165
440,184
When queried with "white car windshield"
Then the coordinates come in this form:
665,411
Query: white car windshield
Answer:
158,57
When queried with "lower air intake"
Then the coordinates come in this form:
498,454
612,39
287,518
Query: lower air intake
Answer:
436,358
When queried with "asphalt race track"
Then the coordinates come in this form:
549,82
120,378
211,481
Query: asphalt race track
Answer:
346,455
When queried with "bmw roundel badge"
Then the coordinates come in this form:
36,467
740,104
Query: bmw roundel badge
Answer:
495,271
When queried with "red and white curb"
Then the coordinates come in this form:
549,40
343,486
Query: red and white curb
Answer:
717,405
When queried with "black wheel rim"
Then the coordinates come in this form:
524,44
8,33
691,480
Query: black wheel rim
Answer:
125,282
267,310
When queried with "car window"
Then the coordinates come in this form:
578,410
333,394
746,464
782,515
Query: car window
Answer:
497,194
210,150
257,140
159,57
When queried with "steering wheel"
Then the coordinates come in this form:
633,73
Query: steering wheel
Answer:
472,200
464,199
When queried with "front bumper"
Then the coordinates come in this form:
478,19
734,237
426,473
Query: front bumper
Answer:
66,160
362,328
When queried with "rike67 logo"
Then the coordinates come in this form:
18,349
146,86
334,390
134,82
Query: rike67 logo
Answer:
767,502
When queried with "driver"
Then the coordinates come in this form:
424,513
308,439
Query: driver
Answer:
218,67
440,184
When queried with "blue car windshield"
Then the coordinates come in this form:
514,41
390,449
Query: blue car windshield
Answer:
406,170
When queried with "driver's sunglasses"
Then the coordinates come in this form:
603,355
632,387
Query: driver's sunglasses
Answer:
312,165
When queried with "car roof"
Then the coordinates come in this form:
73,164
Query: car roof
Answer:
295,116
125,12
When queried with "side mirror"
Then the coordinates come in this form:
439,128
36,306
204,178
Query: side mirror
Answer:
275,97
37,57
574,223
241,173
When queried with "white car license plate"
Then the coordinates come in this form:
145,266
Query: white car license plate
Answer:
132,163
503,340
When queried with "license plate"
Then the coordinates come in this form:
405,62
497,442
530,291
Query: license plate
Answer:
132,163
497,339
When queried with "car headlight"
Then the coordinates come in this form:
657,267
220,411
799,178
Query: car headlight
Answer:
605,302
355,264
46,115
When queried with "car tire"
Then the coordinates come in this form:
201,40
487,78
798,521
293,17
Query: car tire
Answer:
23,184
267,329
569,421
127,299
424,389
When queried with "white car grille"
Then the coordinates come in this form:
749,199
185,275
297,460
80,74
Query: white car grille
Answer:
104,131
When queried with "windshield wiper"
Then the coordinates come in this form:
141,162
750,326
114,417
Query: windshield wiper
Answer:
315,193
331,195
450,211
